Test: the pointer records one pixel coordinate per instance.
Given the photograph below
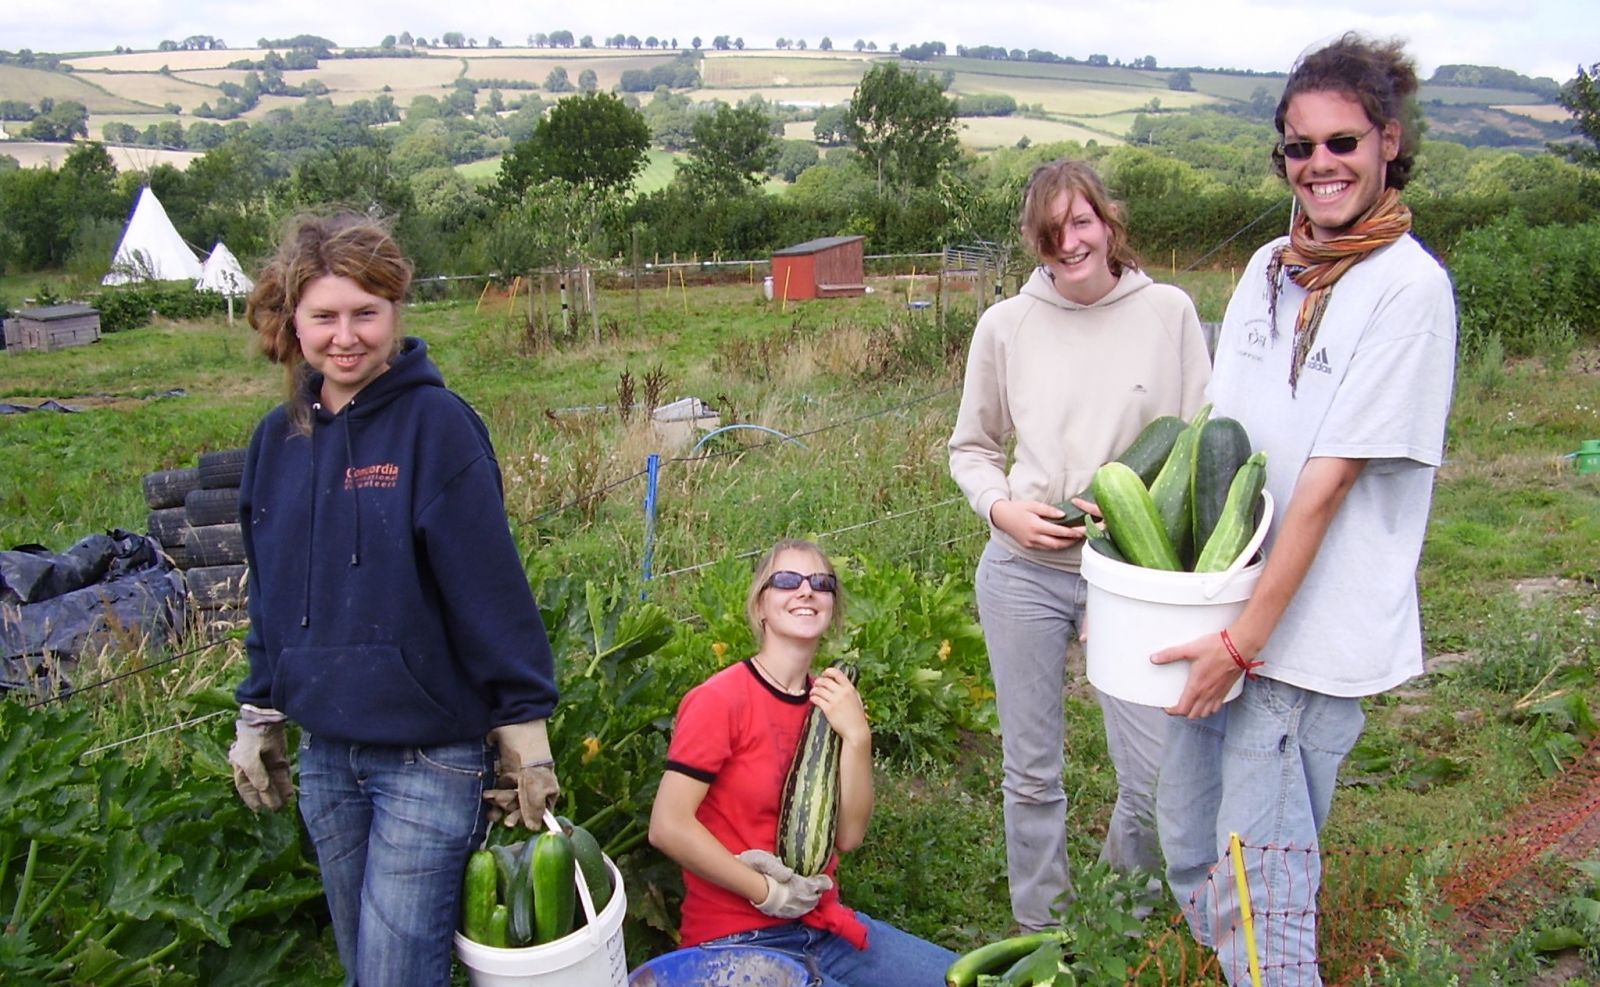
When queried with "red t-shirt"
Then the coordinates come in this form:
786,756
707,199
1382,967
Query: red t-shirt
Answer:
738,734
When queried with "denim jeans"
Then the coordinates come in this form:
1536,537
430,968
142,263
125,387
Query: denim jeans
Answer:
1264,766
393,827
1030,615
892,958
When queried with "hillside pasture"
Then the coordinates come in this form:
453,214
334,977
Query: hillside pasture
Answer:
152,61
573,54
32,85
372,74
155,89
793,95
1054,71
1226,85
757,71
35,154
1078,100
990,133
1541,112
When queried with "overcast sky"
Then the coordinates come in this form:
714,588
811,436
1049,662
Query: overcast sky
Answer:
1534,37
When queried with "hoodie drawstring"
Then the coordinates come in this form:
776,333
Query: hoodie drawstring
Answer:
355,489
305,600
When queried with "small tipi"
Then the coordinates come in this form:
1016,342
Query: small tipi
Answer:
222,274
151,249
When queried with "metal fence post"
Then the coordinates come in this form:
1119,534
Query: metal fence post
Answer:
652,469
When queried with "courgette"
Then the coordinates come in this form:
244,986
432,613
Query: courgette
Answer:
478,896
1237,524
1038,967
499,932
808,814
505,869
1132,519
992,958
1170,490
522,897
591,862
1144,456
1101,542
555,890
1223,448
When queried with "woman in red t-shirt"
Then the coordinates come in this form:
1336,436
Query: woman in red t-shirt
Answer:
716,812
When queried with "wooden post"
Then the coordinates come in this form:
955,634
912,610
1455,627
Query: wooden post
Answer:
594,310
638,299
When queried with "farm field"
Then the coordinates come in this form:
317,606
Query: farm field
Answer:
155,89
34,154
867,477
32,85
750,71
792,95
989,133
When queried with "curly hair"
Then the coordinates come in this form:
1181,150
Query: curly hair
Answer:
347,245
1378,75
1041,227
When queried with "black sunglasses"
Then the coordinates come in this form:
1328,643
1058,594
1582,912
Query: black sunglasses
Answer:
821,582
1299,150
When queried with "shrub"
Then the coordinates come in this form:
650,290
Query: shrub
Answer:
132,306
1515,281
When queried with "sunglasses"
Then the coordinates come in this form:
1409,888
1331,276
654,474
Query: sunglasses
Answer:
1299,150
821,582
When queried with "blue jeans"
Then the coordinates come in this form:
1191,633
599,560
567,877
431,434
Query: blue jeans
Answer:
1030,615
1264,766
892,958
393,827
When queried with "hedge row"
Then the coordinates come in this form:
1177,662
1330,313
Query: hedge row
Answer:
1519,282
132,306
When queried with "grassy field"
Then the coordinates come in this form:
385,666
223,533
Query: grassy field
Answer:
989,133
31,154
757,71
155,89
868,390
32,85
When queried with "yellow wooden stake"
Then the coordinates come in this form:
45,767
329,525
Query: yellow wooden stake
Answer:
785,306
481,296
683,286
1236,849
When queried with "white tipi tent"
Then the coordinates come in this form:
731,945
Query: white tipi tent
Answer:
151,249
222,274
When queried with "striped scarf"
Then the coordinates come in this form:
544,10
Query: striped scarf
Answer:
1315,266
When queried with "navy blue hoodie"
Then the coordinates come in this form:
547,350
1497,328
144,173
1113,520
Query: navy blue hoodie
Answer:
388,603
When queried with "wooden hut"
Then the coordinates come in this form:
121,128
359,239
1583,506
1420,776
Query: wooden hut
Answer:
829,267
52,328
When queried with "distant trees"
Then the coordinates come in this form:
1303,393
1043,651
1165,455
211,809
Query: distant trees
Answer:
903,125
58,122
729,150
1180,81
1581,97
557,81
593,139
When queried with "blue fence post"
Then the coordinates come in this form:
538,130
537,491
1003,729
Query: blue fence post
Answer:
652,469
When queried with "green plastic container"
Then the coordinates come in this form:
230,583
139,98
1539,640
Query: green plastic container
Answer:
1587,458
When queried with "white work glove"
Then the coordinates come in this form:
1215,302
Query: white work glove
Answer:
260,759
789,895
525,784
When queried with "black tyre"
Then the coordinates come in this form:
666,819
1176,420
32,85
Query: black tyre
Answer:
167,488
212,506
167,525
221,469
217,587
214,544
179,556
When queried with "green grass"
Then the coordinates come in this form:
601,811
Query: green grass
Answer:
868,391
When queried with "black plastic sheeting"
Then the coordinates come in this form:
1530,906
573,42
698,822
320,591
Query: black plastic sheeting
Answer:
114,590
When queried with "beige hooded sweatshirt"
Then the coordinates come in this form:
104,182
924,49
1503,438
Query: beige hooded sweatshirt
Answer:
1072,386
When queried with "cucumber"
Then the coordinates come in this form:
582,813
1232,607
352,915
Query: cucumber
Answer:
1131,518
522,897
499,932
1237,524
1223,448
808,815
478,896
1144,456
591,862
1038,967
994,957
505,867
555,888
1170,490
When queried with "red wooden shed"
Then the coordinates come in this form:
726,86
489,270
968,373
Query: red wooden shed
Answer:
829,267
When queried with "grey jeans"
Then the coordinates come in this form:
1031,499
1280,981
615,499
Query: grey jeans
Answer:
1030,615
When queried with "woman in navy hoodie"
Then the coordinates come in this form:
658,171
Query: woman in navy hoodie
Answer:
390,616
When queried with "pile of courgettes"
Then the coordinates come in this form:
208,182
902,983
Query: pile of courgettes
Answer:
526,893
1183,497
1028,960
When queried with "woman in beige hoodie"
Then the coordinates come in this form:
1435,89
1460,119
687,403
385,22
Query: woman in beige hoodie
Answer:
1065,374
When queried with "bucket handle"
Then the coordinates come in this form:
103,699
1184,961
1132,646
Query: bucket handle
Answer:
1214,582
590,927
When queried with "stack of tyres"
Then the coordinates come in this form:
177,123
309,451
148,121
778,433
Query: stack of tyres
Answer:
212,540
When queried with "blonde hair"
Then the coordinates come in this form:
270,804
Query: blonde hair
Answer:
347,245
768,565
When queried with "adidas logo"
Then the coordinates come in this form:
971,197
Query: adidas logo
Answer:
1318,361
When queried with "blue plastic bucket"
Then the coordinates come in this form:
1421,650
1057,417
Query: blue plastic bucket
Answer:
721,966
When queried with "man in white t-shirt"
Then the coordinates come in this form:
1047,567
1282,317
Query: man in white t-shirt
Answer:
1337,354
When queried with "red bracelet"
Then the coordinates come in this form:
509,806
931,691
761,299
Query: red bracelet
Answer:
1249,667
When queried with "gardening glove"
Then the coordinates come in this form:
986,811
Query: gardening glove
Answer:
789,895
260,759
526,783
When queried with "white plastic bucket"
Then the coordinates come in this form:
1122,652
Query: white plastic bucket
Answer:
766,287
592,956
1132,612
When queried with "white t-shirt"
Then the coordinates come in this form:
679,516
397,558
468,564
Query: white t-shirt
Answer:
1376,385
